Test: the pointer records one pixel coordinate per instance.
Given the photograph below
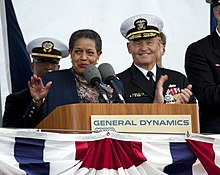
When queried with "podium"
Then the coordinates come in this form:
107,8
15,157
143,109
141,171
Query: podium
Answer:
77,116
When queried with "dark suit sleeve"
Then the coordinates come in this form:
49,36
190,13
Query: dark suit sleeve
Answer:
16,107
33,116
200,75
12,116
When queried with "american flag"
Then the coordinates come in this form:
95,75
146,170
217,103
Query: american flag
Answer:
19,61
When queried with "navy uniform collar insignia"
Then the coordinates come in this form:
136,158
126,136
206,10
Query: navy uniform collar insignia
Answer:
47,46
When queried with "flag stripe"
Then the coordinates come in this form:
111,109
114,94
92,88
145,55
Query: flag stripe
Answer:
29,154
19,59
206,155
183,159
114,150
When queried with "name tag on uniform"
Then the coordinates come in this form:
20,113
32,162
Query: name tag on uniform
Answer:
138,95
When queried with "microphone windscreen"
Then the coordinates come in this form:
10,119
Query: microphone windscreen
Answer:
107,72
92,74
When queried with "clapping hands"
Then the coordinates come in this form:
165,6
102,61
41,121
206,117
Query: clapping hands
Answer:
183,97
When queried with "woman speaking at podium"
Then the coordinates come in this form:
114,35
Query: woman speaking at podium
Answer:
70,86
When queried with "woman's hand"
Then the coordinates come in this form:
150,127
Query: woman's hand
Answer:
38,90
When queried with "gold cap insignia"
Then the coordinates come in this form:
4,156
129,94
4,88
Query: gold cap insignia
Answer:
47,46
140,24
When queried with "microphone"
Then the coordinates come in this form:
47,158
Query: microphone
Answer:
93,76
108,77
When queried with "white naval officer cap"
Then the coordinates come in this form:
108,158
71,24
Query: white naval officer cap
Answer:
141,26
214,3
48,49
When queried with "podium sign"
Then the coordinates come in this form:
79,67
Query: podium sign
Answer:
78,116
142,123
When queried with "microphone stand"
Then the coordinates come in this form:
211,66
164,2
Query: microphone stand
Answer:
102,92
